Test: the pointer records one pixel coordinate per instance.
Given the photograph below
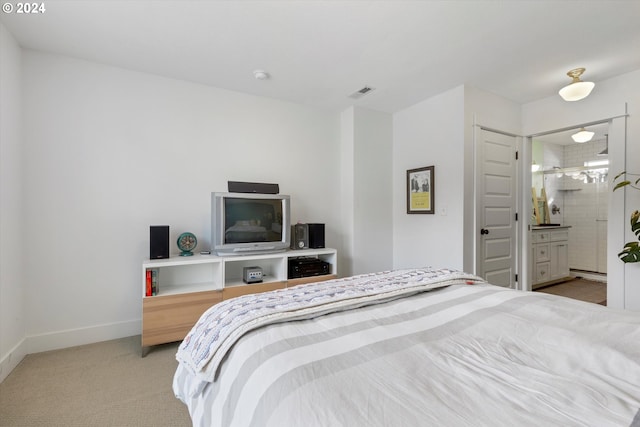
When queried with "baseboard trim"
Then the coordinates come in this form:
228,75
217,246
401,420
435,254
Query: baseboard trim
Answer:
10,360
589,275
81,336
63,339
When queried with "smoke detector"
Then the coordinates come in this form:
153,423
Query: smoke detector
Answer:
261,74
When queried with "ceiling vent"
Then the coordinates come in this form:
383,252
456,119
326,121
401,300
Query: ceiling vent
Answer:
362,92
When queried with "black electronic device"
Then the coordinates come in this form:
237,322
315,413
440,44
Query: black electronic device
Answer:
158,241
252,187
307,267
299,236
316,235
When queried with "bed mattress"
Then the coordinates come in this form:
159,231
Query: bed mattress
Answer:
466,353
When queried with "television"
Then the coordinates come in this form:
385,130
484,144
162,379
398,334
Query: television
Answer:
249,223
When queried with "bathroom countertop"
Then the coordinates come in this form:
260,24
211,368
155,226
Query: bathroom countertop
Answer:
546,227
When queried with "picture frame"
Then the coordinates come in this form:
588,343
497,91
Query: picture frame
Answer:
421,190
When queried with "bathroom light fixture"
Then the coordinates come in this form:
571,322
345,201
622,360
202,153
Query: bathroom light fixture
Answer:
577,89
261,74
582,136
593,163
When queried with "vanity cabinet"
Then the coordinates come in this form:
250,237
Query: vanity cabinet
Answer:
550,249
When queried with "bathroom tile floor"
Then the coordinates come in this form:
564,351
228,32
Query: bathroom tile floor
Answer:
580,289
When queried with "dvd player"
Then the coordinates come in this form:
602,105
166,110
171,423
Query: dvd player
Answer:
307,267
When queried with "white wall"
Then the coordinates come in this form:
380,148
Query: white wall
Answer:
430,133
440,131
110,152
12,315
373,189
607,100
347,190
366,191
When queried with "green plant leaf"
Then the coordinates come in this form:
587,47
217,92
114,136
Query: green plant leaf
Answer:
631,250
619,175
621,184
631,253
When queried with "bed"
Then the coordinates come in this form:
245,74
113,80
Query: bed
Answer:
418,347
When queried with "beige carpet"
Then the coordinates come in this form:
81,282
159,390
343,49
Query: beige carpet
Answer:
580,289
102,384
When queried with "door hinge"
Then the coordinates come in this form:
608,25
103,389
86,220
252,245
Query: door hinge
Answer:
516,155
516,216
516,278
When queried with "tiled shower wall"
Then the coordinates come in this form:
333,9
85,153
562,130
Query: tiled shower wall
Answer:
582,202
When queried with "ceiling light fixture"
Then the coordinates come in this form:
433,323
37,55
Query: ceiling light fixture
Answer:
577,89
582,136
261,74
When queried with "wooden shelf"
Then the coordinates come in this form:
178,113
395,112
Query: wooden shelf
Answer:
188,286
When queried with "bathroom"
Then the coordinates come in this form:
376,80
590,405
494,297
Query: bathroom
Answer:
570,183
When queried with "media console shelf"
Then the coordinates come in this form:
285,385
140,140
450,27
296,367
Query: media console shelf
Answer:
188,286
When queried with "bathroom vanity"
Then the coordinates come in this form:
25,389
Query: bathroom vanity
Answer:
550,249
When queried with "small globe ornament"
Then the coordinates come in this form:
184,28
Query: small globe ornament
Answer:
187,242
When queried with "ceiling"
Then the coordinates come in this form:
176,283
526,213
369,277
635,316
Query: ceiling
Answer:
319,52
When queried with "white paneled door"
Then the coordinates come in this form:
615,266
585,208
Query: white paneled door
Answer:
496,209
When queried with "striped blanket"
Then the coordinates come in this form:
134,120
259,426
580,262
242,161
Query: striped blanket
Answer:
223,324
456,355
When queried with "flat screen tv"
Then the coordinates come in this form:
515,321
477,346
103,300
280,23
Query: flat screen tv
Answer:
249,223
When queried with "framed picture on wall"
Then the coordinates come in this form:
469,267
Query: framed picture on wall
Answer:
420,190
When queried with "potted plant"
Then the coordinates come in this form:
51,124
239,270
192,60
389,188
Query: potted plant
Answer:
631,250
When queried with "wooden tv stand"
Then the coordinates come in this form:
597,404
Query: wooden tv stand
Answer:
188,286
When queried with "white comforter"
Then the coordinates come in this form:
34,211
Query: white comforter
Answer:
461,355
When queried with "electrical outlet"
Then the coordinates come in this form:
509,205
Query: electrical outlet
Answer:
443,210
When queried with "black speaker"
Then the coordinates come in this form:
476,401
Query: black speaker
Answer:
252,187
316,235
158,241
299,236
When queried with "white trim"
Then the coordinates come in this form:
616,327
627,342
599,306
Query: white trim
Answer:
501,132
596,277
12,359
81,336
581,125
617,223
525,217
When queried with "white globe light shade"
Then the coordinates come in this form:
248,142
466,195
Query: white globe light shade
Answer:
576,91
582,136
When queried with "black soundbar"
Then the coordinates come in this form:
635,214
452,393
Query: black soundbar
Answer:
253,187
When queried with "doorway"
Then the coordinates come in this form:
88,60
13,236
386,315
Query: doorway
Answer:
573,177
